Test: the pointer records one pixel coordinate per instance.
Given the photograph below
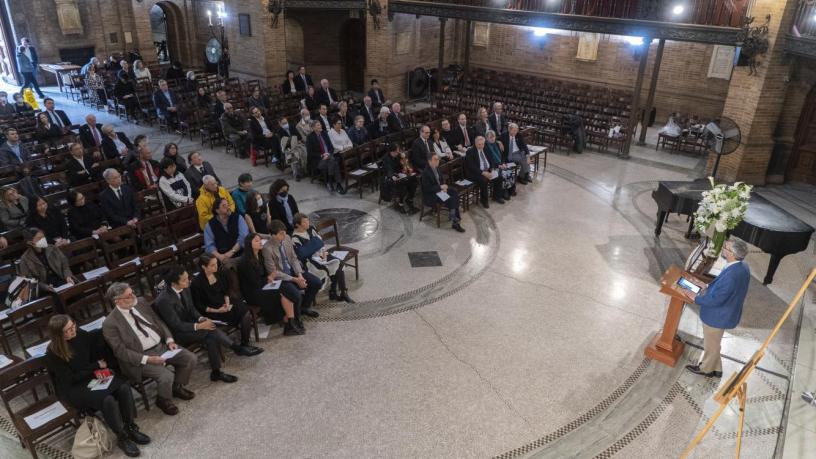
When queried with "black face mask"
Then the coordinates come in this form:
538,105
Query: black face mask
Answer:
283,194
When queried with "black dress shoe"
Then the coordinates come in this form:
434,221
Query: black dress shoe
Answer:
292,330
310,313
499,200
221,376
127,446
344,296
298,323
716,374
333,295
183,393
340,189
167,406
697,371
138,437
246,350
457,227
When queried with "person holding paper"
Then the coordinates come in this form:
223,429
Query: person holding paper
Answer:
479,170
398,184
496,152
175,306
139,339
210,290
298,286
76,358
44,262
310,250
433,183
516,151
224,234
721,305
85,219
253,276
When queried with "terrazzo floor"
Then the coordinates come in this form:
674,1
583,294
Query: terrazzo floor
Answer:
526,342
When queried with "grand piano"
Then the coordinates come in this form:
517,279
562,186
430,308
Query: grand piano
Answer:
766,225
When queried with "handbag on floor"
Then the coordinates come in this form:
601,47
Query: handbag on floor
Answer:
92,440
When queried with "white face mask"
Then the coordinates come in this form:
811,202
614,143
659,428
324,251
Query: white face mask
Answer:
307,119
285,125
42,243
260,202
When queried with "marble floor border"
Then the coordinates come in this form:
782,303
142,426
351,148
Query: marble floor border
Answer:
43,448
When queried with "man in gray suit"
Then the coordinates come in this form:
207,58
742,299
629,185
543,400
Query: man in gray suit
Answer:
27,62
12,152
138,338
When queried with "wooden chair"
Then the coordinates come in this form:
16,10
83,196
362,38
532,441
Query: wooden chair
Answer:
328,230
189,249
155,264
26,388
183,222
119,245
84,301
29,323
83,255
129,273
153,232
150,203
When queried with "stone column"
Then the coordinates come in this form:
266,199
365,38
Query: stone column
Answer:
756,101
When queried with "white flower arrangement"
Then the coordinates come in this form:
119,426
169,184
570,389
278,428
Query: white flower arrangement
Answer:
722,209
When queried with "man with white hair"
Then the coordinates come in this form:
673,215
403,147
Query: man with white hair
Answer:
379,127
516,150
497,119
368,111
90,133
395,121
208,194
721,304
118,201
326,95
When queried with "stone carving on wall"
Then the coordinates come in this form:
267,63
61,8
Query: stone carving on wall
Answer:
68,15
722,62
588,46
481,34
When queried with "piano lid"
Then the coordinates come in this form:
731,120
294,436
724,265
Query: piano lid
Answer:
767,215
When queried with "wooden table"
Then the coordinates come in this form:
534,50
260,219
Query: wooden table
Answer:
58,70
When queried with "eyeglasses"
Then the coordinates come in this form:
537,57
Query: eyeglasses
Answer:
123,297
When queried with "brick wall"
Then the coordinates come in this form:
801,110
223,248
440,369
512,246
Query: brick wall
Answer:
682,85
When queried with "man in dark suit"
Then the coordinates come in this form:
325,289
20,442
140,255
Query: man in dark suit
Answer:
175,307
115,144
326,95
302,80
262,136
144,173
197,170
323,117
81,168
12,152
90,133
368,111
376,94
479,169
138,338
117,200
166,103
516,151
320,155
447,133
396,123
58,117
462,135
220,100
498,120
433,183
421,149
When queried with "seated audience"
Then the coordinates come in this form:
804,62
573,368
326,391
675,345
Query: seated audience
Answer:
5,108
421,149
380,126
224,234
43,262
482,124
440,145
292,150
376,94
140,71
176,308
303,80
258,99
126,70
174,187
239,194
167,105
21,106
368,111
498,120
310,100
175,72
115,144
323,117
90,133
57,117
74,359
47,132
339,139
85,219
395,121
448,134
289,85
496,154
399,180
234,127
112,64
144,172
479,170
311,252
344,115
13,208
138,338
462,136
358,134
118,201
253,275
298,286
171,151
50,221
282,205
93,62
326,95
13,152
29,185
220,101
210,292
433,182
125,92
203,100
81,168
671,128
255,213
208,194
516,151
321,157
260,131
95,84
304,125
197,170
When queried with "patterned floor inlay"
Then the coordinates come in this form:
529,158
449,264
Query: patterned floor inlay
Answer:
424,259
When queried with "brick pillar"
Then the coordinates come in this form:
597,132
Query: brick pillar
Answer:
379,46
755,101
274,49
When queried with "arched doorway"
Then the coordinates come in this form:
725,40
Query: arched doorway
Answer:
166,28
802,165
353,50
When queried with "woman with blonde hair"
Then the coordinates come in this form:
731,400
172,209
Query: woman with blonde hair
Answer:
77,360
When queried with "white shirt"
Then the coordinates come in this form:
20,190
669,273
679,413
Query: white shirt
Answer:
442,149
143,73
340,140
264,127
120,146
148,342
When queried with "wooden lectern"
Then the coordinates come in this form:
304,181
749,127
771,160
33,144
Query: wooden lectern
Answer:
665,347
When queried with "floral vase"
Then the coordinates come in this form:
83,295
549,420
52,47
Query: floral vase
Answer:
717,241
